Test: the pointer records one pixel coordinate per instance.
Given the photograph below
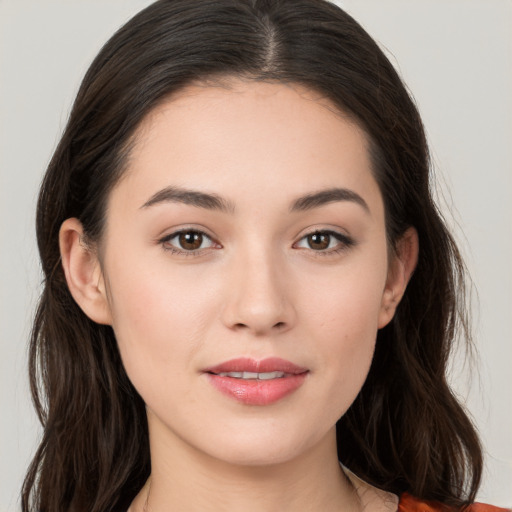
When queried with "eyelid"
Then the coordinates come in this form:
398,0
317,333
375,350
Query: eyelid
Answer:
345,241
187,229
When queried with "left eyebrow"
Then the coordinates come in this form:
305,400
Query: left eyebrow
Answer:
191,197
323,197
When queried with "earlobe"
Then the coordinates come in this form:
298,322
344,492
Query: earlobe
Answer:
400,271
83,272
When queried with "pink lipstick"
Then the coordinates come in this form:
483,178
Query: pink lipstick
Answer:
256,382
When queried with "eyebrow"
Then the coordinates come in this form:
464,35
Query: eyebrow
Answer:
191,197
323,197
210,201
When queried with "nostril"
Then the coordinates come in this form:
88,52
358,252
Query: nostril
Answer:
279,325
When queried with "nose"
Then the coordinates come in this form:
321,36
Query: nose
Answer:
258,296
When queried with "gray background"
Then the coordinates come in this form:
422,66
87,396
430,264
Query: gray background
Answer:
455,55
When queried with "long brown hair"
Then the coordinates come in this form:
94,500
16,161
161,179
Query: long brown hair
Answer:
405,431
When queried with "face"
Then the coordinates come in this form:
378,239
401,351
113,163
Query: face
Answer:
246,268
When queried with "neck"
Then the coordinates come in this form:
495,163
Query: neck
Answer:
185,479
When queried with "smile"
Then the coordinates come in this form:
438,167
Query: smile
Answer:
253,375
253,382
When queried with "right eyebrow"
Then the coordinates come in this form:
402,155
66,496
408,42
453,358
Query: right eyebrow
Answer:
330,195
196,198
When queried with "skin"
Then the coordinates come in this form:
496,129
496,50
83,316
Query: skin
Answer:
256,287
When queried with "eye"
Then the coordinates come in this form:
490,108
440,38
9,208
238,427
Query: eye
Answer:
187,241
325,241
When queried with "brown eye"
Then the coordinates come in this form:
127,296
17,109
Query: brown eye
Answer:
190,240
187,241
325,242
319,241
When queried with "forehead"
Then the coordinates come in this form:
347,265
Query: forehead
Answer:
248,136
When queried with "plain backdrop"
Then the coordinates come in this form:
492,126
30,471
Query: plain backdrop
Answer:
455,56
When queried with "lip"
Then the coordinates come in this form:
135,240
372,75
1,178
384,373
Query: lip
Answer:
246,364
255,391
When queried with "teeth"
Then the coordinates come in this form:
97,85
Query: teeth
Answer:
253,375
270,375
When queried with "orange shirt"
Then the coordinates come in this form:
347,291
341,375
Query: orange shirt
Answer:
410,504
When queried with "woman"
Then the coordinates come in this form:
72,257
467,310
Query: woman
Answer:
247,280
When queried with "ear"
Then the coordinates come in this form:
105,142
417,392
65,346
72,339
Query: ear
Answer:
83,272
400,270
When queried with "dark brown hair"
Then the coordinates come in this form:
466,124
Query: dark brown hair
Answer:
405,431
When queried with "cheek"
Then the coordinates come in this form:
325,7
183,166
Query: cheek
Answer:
159,319
346,304
343,318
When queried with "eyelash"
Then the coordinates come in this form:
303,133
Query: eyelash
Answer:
345,242
164,242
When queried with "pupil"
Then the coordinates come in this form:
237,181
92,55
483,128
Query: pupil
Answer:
318,241
191,240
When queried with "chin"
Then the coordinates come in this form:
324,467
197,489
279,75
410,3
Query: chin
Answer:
254,449
258,458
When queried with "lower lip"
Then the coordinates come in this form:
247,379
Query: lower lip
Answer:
257,392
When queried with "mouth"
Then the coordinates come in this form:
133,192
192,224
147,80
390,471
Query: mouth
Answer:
253,375
252,382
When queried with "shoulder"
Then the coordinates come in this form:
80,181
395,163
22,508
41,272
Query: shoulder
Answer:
409,503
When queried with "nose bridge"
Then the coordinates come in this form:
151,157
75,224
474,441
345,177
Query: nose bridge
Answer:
258,298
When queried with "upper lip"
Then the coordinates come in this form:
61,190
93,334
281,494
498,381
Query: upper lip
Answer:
246,364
